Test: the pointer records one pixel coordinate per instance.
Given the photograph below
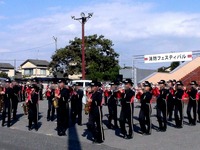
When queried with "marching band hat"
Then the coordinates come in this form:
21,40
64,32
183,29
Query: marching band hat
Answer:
61,81
8,80
94,83
193,83
174,80
33,86
114,83
179,83
170,81
146,84
128,81
162,82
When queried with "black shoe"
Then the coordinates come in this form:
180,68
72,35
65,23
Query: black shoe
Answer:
170,119
116,127
48,119
97,142
60,134
80,124
125,136
129,136
3,125
8,125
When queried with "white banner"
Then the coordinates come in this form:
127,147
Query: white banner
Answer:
168,57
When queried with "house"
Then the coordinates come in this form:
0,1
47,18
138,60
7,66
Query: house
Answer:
8,69
34,68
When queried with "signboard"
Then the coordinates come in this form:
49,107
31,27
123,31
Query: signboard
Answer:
168,57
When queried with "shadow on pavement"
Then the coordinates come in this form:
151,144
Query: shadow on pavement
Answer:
73,139
18,116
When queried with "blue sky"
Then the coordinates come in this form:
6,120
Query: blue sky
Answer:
134,26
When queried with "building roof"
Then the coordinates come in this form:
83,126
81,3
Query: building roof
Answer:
177,74
6,66
37,62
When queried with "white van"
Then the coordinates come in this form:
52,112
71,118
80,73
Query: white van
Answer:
84,84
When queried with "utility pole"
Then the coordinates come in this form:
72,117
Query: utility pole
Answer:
56,40
83,19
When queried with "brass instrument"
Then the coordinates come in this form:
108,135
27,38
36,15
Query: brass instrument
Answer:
25,108
55,102
55,99
88,105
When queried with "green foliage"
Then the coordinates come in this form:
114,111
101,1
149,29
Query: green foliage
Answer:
3,75
101,59
174,65
162,69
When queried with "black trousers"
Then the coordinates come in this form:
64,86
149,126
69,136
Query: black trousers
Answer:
14,106
50,111
170,108
199,110
162,114
62,118
126,115
33,116
145,118
192,106
76,112
97,128
7,110
179,113
112,110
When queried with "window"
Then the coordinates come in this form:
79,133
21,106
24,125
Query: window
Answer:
28,72
42,71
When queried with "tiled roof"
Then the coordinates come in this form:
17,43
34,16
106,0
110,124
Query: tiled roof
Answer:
6,66
42,63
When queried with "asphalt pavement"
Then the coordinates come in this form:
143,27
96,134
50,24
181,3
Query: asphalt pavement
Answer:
17,137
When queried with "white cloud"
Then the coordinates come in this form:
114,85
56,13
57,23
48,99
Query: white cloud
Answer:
135,28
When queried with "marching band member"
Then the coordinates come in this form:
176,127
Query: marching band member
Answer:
76,104
162,106
32,104
179,104
112,105
63,109
192,104
7,109
127,109
15,99
145,110
170,99
50,94
96,113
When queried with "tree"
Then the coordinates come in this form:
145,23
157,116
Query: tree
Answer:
101,59
3,75
174,65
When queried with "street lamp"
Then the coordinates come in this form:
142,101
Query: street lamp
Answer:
83,19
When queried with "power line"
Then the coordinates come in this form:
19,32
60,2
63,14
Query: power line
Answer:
29,48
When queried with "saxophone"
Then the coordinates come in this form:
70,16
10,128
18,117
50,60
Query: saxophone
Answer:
55,99
88,104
